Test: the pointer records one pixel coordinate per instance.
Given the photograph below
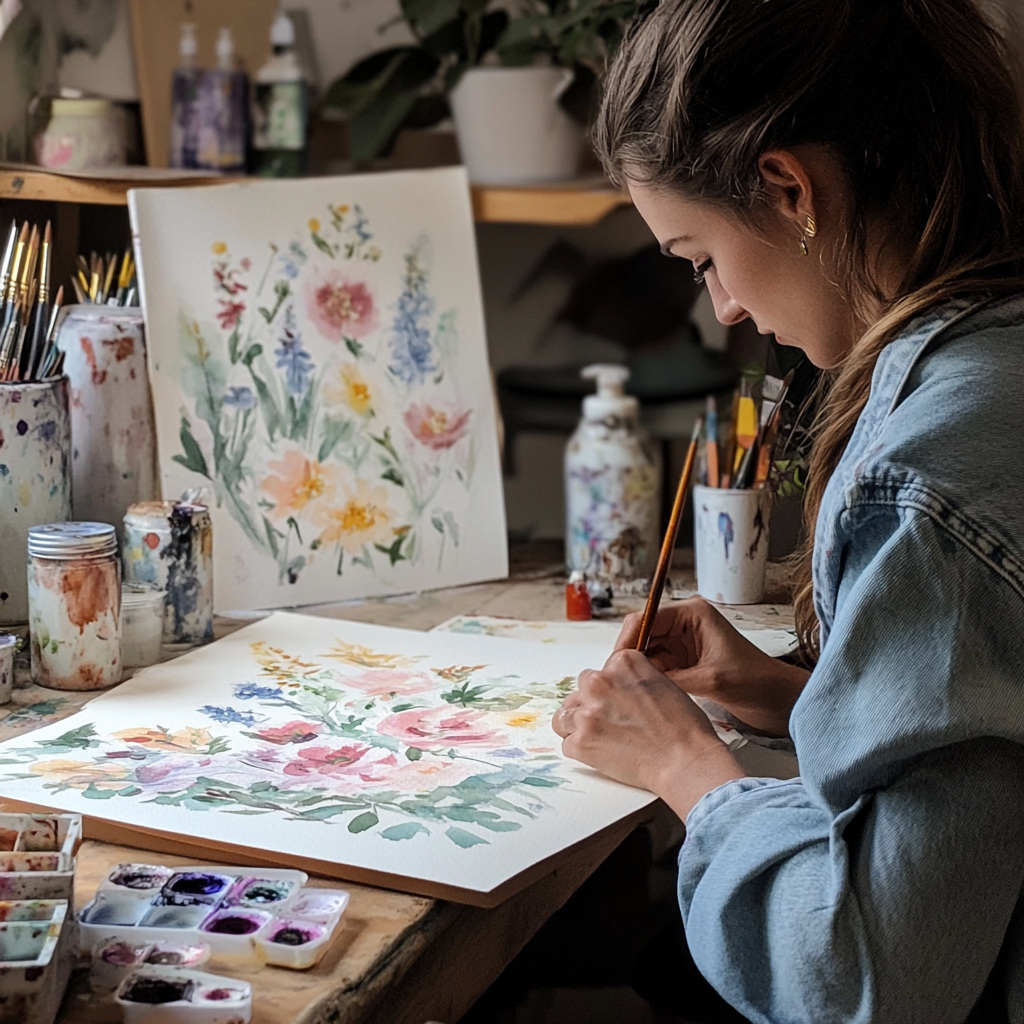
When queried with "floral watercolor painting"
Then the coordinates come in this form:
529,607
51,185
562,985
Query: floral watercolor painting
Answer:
424,755
320,373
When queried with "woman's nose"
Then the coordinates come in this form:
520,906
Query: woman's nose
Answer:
727,310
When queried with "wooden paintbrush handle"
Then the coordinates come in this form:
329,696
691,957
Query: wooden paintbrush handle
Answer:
669,543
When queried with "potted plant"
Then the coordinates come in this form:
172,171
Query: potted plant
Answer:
520,85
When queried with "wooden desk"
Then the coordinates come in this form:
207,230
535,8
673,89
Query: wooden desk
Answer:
398,959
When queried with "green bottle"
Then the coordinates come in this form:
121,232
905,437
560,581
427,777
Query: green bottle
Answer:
280,115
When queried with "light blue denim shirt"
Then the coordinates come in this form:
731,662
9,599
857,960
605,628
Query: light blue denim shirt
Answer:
885,884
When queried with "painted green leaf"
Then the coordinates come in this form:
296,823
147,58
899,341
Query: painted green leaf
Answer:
413,753
501,826
193,459
394,476
462,838
83,737
327,811
361,822
404,831
536,780
353,346
332,433
92,793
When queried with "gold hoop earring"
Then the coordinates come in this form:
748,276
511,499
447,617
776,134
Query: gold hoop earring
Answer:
803,246
810,230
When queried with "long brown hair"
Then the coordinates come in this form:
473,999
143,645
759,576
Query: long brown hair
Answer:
917,101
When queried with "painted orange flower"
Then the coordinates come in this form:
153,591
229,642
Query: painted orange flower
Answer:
297,481
364,517
435,428
347,386
340,307
187,739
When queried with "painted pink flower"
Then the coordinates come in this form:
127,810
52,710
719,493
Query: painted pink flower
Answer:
340,307
290,732
229,313
435,428
430,773
352,760
381,681
444,726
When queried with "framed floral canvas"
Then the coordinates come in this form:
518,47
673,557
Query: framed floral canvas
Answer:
419,761
319,372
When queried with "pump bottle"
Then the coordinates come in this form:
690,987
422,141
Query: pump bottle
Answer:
184,102
612,486
223,97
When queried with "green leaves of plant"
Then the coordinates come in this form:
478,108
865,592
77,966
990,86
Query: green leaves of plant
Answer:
193,459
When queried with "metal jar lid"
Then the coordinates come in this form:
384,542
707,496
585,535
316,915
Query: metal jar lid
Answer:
154,514
72,540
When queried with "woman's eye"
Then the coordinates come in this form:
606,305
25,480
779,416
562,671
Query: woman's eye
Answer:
700,270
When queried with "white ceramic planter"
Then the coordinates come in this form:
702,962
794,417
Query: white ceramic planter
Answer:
511,128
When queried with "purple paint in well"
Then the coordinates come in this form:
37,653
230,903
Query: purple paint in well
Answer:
139,876
123,954
233,922
188,888
295,933
153,990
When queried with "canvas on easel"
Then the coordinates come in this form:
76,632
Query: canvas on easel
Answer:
419,761
319,372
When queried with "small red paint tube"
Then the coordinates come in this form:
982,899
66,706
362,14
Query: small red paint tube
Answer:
577,598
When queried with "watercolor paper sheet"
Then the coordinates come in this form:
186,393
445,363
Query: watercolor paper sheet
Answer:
422,761
319,366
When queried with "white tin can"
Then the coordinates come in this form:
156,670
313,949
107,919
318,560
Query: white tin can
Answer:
35,478
74,595
731,543
114,461
8,648
170,544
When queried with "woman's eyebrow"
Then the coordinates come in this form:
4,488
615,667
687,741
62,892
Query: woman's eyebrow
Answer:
666,247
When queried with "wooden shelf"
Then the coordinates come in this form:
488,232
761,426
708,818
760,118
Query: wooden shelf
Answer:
577,205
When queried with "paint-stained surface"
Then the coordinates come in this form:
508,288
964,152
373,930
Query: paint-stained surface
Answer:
170,544
114,459
318,361
35,478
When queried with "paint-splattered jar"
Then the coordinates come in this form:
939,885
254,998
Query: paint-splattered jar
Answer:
170,544
35,478
8,648
74,601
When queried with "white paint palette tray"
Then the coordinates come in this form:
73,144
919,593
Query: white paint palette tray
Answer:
158,995
37,856
258,912
37,952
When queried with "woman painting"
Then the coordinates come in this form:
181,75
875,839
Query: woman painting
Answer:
849,175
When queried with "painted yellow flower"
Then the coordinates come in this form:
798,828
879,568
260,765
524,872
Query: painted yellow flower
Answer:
522,719
347,386
314,225
193,741
295,482
284,667
219,248
81,773
354,654
364,517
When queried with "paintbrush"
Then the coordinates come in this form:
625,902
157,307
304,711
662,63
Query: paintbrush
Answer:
669,543
12,280
766,447
711,444
5,266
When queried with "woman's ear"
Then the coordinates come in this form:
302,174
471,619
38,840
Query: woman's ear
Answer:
789,185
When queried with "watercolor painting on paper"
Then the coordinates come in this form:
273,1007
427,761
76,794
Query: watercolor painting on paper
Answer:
426,756
319,371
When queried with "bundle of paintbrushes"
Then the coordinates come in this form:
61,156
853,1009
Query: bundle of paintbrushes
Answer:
745,460
28,314
98,280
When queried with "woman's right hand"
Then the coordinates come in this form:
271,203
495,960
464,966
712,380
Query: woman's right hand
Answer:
703,653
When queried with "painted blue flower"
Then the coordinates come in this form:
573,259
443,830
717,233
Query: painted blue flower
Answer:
359,224
253,691
508,752
293,358
412,355
231,715
240,398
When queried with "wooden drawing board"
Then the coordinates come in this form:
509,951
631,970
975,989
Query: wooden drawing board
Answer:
156,31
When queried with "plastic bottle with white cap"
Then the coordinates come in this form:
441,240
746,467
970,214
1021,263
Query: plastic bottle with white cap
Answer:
223,99
612,485
280,108
185,102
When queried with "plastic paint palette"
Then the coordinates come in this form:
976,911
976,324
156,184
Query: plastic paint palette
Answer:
114,959
155,994
241,911
37,856
36,956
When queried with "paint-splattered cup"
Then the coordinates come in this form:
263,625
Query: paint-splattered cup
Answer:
731,543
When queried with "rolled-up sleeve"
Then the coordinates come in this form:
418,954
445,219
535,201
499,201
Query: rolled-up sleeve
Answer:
879,886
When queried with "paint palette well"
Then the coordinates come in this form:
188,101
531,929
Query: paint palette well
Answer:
151,994
243,911
37,855
37,953
114,959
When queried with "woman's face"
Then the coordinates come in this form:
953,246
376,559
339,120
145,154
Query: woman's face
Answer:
760,274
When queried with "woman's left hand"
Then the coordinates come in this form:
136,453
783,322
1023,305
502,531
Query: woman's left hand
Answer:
634,724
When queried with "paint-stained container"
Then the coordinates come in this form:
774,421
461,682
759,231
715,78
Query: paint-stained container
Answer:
114,460
74,595
35,478
8,648
170,544
730,543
